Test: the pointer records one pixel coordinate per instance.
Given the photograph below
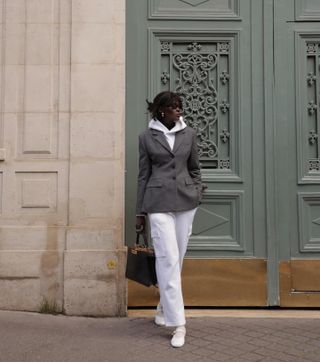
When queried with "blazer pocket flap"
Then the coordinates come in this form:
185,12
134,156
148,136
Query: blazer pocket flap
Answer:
155,183
189,181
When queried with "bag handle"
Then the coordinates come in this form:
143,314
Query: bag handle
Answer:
145,239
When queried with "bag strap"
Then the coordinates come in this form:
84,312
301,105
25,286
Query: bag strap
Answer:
145,239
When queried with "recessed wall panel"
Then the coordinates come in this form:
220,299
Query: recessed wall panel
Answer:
307,10
203,69
307,104
309,221
38,132
39,81
194,9
36,192
219,222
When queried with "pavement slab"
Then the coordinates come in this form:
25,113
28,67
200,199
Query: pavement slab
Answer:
31,337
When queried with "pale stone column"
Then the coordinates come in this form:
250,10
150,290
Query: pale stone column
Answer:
94,260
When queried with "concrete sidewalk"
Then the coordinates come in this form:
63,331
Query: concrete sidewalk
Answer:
272,336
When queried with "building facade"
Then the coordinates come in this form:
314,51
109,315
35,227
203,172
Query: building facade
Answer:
74,78
62,156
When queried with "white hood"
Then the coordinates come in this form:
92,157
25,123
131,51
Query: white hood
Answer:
170,135
155,124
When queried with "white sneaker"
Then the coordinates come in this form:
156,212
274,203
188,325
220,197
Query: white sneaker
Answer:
159,317
178,338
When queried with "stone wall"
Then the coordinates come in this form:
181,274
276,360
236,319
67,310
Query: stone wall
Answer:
62,156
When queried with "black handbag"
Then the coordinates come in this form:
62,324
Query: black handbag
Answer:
141,263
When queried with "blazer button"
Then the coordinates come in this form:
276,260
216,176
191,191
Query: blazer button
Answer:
174,177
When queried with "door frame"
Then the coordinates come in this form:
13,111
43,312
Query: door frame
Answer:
270,156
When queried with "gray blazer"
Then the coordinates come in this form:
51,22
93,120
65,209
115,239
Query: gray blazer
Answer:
168,180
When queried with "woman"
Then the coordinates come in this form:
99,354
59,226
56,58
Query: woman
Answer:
169,191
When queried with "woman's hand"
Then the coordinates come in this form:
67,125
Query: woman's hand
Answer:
203,189
140,223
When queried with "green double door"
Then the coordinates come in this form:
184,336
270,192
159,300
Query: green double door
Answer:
248,73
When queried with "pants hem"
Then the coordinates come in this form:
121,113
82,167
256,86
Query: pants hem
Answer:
176,324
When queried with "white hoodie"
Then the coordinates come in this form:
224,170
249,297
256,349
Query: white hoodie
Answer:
169,134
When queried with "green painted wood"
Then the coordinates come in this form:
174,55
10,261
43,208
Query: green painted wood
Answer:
307,10
297,75
238,151
270,154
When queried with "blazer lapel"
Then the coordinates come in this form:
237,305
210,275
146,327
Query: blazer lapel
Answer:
160,137
178,140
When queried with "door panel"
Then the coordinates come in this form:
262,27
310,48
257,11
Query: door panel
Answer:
211,53
191,9
297,77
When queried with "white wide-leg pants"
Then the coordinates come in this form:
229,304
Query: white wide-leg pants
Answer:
170,233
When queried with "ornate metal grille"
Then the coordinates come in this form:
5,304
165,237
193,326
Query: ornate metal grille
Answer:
200,73
312,91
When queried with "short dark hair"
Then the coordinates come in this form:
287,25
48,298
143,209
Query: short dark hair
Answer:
163,100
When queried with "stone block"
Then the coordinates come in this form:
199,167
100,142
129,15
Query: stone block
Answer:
91,283
42,11
41,42
93,188
116,101
65,11
15,11
1,10
14,44
119,49
65,44
64,135
13,88
93,43
94,87
17,238
23,294
93,135
90,239
29,277
64,89
95,11
19,264
39,93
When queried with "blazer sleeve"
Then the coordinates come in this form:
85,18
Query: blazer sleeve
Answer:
144,173
193,161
